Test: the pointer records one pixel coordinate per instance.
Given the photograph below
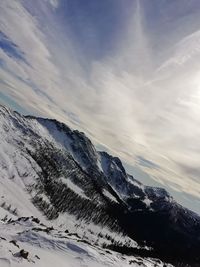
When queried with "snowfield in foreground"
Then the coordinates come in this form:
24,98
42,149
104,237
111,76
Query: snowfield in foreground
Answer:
47,246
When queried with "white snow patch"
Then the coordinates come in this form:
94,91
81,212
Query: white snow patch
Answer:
109,195
76,189
147,201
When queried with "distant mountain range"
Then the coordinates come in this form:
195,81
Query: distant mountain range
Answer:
46,165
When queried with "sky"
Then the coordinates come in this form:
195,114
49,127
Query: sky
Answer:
126,72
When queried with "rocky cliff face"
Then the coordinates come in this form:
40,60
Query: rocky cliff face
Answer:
64,174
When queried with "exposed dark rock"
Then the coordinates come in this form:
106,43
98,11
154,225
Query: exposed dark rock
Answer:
36,220
24,254
37,257
14,242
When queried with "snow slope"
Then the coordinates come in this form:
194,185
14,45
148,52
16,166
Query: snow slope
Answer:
56,248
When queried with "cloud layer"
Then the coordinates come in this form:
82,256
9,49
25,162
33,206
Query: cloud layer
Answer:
126,73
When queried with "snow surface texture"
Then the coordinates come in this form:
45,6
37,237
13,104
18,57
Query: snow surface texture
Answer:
50,247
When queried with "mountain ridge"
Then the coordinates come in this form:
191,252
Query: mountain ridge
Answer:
64,174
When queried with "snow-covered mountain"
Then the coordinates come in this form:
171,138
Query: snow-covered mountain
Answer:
53,173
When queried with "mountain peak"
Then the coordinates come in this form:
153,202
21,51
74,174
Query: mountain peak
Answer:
63,174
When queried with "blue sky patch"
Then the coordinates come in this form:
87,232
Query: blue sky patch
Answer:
8,101
10,48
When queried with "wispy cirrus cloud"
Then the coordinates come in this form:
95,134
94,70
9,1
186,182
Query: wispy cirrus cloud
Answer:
54,3
126,74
